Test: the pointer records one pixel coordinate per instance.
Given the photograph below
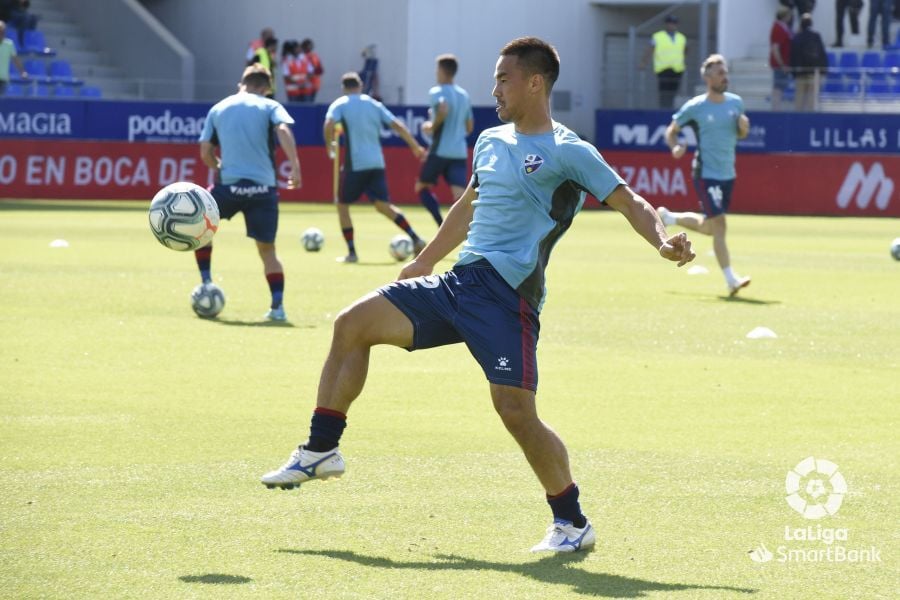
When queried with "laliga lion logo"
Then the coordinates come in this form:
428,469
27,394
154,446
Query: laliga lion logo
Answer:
815,488
533,162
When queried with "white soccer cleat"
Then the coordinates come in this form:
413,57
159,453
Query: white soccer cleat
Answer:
735,286
563,536
665,216
305,465
276,314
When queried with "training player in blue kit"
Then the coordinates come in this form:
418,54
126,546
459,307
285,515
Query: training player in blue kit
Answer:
717,117
451,121
243,126
529,182
362,117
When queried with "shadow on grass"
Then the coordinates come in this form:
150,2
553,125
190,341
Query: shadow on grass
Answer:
76,205
215,579
276,324
555,568
735,299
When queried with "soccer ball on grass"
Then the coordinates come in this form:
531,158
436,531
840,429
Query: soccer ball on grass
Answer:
312,239
895,249
207,300
401,247
183,216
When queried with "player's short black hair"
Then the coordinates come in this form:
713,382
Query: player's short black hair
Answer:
257,76
448,64
535,56
351,81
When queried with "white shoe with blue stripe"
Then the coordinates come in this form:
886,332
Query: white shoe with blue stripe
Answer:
305,465
563,536
276,314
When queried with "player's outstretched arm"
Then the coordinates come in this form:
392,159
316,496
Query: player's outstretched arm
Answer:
645,221
289,145
407,137
451,234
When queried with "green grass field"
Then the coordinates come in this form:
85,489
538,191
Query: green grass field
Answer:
132,434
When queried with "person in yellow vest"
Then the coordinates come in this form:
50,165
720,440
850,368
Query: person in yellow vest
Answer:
667,47
267,56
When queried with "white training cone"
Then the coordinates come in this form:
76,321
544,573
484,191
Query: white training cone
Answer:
59,244
759,333
698,270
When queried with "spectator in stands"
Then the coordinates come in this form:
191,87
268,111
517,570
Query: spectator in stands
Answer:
267,56
369,73
314,63
802,6
809,62
885,10
22,19
780,54
295,74
842,7
255,45
668,47
7,55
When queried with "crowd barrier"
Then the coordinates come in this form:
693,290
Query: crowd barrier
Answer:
803,164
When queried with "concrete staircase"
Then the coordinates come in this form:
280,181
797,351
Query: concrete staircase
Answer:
92,64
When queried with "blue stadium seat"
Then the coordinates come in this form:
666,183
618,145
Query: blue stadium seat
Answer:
36,43
63,90
90,91
833,85
892,63
15,90
43,90
13,34
878,88
37,69
832,60
873,66
61,72
848,64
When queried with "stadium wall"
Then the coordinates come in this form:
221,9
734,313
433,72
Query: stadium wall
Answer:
811,164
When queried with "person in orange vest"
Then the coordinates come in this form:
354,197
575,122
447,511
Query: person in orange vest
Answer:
668,47
314,66
295,72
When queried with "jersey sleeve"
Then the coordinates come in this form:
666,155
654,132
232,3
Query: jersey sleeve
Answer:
208,127
590,171
434,98
334,112
387,117
280,115
473,181
684,115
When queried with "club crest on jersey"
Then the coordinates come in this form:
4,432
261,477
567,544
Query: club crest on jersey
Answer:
533,162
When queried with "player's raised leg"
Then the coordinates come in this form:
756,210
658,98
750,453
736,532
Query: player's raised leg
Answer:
371,321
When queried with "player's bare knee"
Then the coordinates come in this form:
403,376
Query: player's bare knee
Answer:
516,411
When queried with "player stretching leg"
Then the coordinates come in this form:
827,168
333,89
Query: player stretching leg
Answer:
718,119
530,179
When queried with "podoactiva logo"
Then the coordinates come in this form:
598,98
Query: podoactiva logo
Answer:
815,488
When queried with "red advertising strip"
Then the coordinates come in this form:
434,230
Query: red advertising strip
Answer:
779,184
136,171
789,184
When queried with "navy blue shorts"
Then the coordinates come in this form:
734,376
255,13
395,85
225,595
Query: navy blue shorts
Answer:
473,304
370,182
452,169
259,203
714,195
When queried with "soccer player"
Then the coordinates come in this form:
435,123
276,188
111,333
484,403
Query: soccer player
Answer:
451,121
529,181
243,126
718,120
362,117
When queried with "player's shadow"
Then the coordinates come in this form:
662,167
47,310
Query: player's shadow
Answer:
215,579
554,568
239,323
736,299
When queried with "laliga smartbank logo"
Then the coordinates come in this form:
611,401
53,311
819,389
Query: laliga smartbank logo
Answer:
815,489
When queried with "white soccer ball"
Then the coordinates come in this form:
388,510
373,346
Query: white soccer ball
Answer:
183,216
207,300
895,249
312,239
401,247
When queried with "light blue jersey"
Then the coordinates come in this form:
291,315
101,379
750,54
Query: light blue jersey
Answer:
449,139
362,118
243,126
530,187
716,127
